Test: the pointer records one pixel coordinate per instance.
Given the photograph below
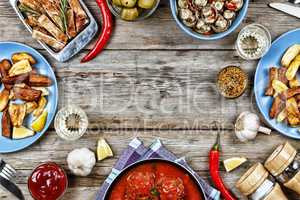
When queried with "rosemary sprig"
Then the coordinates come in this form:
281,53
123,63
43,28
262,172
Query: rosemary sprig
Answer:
25,9
63,10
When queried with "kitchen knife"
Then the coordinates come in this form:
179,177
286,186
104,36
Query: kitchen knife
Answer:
286,8
12,188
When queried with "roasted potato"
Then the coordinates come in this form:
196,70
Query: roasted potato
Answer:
38,80
26,94
21,67
31,106
290,55
293,120
41,105
273,75
294,83
23,78
279,87
292,107
23,56
5,65
6,124
281,116
293,68
44,90
4,98
17,114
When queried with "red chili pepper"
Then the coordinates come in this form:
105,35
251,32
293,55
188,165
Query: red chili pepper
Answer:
214,160
106,31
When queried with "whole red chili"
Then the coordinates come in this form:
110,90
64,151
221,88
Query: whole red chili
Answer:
214,160
106,31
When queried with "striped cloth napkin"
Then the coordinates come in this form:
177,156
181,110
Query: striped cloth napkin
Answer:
137,151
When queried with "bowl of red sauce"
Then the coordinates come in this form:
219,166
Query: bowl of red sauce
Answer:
47,182
155,179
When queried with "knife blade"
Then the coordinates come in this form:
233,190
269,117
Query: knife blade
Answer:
286,8
12,188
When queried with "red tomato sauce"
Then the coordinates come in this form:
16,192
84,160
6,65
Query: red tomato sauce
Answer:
47,182
155,181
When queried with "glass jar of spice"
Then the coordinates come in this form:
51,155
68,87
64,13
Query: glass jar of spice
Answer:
284,165
257,184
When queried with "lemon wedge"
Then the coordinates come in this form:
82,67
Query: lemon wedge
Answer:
103,150
233,163
21,132
40,122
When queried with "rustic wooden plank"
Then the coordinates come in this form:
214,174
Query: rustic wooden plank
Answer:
158,32
152,89
193,145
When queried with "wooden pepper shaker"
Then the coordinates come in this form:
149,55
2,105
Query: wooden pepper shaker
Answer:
284,165
257,184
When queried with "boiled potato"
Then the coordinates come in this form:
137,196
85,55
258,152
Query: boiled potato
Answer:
128,3
129,14
293,68
146,4
290,54
23,56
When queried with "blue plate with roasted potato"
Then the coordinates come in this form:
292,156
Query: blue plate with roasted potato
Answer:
277,87
28,97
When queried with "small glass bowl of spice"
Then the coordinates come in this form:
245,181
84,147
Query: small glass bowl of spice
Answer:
232,81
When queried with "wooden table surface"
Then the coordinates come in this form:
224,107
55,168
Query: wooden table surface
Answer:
152,81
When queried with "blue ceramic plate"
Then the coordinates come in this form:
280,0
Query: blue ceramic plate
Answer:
216,36
43,67
273,58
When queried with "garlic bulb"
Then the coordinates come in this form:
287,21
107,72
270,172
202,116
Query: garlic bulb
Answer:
247,126
81,161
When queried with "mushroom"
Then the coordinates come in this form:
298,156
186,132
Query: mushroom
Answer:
187,17
209,14
229,14
200,3
221,24
247,126
81,161
202,28
182,3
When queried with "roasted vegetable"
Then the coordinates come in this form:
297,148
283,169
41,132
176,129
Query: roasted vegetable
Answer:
51,41
129,14
277,107
292,107
293,120
21,132
41,105
6,64
10,81
4,98
290,55
293,68
44,90
281,75
293,91
6,124
17,114
282,116
128,3
53,12
34,5
146,4
71,28
31,106
273,75
47,24
38,80
21,67
80,16
279,86
26,94
294,83
16,57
